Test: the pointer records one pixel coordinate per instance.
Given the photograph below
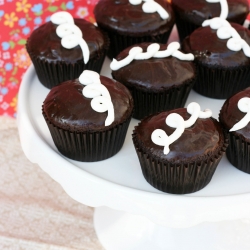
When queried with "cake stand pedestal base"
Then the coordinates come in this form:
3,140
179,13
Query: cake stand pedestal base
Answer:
125,231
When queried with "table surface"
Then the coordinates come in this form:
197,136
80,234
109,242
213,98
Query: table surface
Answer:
35,211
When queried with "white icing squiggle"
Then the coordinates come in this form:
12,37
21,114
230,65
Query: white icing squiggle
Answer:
101,101
224,7
226,31
71,35
136,53
244,106
159,136
150,6
194,110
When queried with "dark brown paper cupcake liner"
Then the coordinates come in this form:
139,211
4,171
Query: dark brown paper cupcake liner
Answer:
238,153
147,103
177,178
120,42
184,27
89,146
221,83
51,74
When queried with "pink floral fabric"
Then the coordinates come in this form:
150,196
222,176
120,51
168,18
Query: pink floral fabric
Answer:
17,20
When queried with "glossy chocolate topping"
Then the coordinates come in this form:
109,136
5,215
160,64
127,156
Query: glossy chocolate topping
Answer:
46,44
230,114
202,140
128,19
154,73
66,107
197,11
211,50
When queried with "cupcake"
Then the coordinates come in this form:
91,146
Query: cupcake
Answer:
88,123
191,14
222,57
158,76
234,116
179,150
129,22
62,48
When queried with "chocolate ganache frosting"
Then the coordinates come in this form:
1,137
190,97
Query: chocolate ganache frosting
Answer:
197,11
46,44
210,50
201,141
67,108
230,114
154,74
128,19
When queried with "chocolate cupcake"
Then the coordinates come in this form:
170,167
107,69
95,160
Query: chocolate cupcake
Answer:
88,123
191,14
156,78
176,155
222,62
129,22
81,45
231,117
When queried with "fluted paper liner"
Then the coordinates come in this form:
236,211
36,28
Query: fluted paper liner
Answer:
147,102
89,146
184,27
238,152
120,42
221,83
177,178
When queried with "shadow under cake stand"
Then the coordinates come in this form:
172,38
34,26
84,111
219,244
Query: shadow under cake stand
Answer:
129,213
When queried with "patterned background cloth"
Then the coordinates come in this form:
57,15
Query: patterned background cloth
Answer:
17,20
35,212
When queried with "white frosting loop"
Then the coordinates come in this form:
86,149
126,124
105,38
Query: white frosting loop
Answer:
150,6
174,120
244,106
136,53
101,101
115,65
95,89
194,110
151,51
234,44
88,77
225,30
61,17
102,104
68,29
71,34
216,23
159,136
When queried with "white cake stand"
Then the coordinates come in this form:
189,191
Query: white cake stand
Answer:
130,214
